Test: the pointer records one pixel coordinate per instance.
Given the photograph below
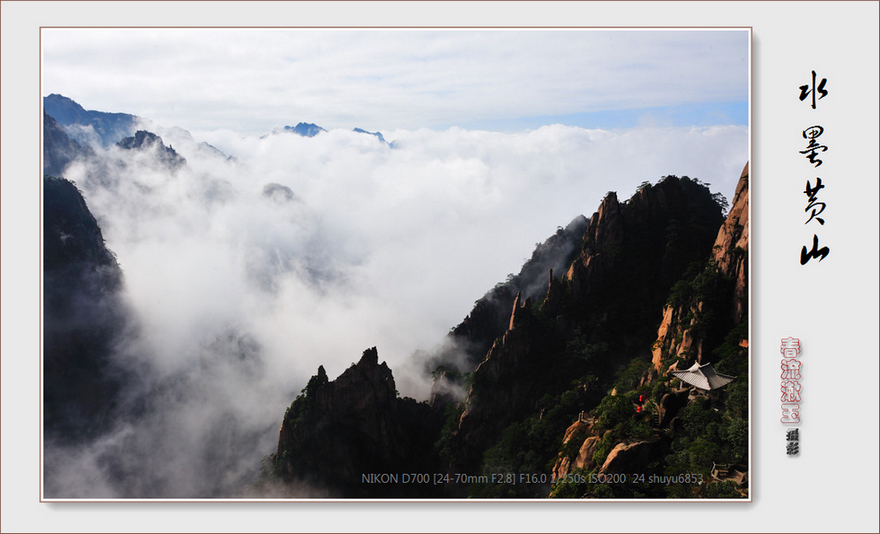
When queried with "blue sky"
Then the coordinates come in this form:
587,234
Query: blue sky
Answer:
251,81
706,114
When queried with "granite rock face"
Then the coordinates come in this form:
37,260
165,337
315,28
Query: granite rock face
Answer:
705,319
634,457
717,295
583,459
614,292
731,249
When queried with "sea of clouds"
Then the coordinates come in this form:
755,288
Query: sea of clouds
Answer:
245,273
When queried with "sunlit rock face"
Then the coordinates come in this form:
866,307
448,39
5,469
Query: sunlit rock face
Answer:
680,333
631,255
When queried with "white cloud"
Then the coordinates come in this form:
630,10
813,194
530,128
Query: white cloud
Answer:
240,297
253,80
381,247
404,239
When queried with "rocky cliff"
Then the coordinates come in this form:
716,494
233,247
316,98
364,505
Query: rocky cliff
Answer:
713,298
354,437
468,342
565,385
58,148
654,425
599,317
87,126
83,316
144,141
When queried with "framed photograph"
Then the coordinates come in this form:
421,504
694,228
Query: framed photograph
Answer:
416,258
313,234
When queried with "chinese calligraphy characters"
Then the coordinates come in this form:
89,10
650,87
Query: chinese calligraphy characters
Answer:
813,147
791,376
811,152
812,195
792,438
809,89
815,252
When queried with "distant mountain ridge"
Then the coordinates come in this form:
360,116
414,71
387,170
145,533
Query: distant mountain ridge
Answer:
147,141
89,126
305,129
109,127
58,148
378,135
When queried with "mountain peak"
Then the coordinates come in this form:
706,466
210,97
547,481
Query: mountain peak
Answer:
109,127
144,140
58,102
305,129
338,431
378,135
370,357
140,139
